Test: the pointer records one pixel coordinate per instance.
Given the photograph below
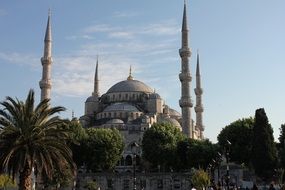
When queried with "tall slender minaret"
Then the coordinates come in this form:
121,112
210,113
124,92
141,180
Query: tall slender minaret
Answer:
45,83
199,106
96,82
185,78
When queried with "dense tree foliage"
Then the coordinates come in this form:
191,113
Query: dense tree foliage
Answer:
195,153
102,148
32,137
200,179
264,154
281,146
159,145
239,133
77,137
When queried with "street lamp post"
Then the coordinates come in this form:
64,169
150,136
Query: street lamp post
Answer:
134,147
219,159
227,160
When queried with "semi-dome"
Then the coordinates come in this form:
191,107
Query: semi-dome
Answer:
171,121
130,86
121,107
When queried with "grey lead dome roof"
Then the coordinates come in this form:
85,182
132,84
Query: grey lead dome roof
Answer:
130,86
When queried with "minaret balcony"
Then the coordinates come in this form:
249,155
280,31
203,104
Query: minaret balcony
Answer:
45,84
185,102
184,52
199,108
46,60
198,91
185,77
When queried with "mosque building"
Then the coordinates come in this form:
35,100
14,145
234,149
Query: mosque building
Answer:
131,106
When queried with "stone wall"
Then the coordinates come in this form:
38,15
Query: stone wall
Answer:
125,181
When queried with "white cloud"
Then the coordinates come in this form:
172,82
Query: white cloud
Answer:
122,35
20,58
99,28
164,28
125,14
73,75
168,28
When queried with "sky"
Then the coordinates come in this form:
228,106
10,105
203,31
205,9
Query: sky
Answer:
241,46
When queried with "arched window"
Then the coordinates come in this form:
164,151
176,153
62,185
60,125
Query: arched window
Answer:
128,160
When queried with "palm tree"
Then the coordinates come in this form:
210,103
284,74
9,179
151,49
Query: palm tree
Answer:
32,137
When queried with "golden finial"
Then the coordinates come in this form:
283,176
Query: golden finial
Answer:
130,77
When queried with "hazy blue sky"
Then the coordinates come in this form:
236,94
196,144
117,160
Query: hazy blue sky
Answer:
241,45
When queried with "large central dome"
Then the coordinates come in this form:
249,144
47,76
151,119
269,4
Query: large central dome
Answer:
130,86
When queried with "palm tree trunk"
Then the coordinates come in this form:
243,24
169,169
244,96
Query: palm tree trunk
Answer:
25,179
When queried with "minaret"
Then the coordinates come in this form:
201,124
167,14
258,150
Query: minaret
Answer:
45,83
96,82
199,106
185,78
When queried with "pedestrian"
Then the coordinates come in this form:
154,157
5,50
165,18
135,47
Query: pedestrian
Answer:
192,187
271,187
254,187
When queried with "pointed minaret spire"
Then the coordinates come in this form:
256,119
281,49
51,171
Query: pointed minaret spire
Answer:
185,78
184,20
199,106
130,77
96,81
45,83
198,65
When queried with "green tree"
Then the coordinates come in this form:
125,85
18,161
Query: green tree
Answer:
281,146
77,137
239,133
159,145
264,154
200,179
91,185
6,181
195,153
32,137
105,148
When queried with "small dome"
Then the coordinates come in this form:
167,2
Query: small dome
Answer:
115,121
121,107
130,86
173,112
171,121
92,99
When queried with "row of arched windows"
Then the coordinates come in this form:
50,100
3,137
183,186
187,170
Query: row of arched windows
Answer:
114,97
119,114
